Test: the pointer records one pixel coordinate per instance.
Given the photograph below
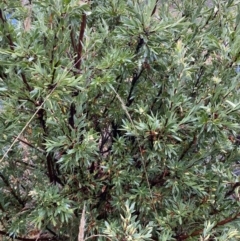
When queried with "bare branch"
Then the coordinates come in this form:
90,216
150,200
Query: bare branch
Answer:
80,41
82,225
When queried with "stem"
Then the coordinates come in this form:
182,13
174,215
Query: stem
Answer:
197,232
134,81
29,239
11,190
155,8
80,41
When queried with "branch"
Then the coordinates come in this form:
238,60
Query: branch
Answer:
197,232
199,76
134,81
7,34
50,169
80,41
72,40
114,97
71,115
193,142
26,164
82,225
156,98
29,239
139,45
231,191
11,190
160,179
26,83
155,8
11,45
29,144
41,117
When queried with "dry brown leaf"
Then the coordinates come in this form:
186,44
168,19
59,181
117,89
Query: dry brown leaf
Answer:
82,2
27,21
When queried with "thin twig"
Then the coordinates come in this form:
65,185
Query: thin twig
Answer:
29,144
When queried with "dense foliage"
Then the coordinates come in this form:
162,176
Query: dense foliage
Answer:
129,108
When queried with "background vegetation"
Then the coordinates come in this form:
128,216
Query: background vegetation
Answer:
123,114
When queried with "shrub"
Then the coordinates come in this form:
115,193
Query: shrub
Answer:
127,108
